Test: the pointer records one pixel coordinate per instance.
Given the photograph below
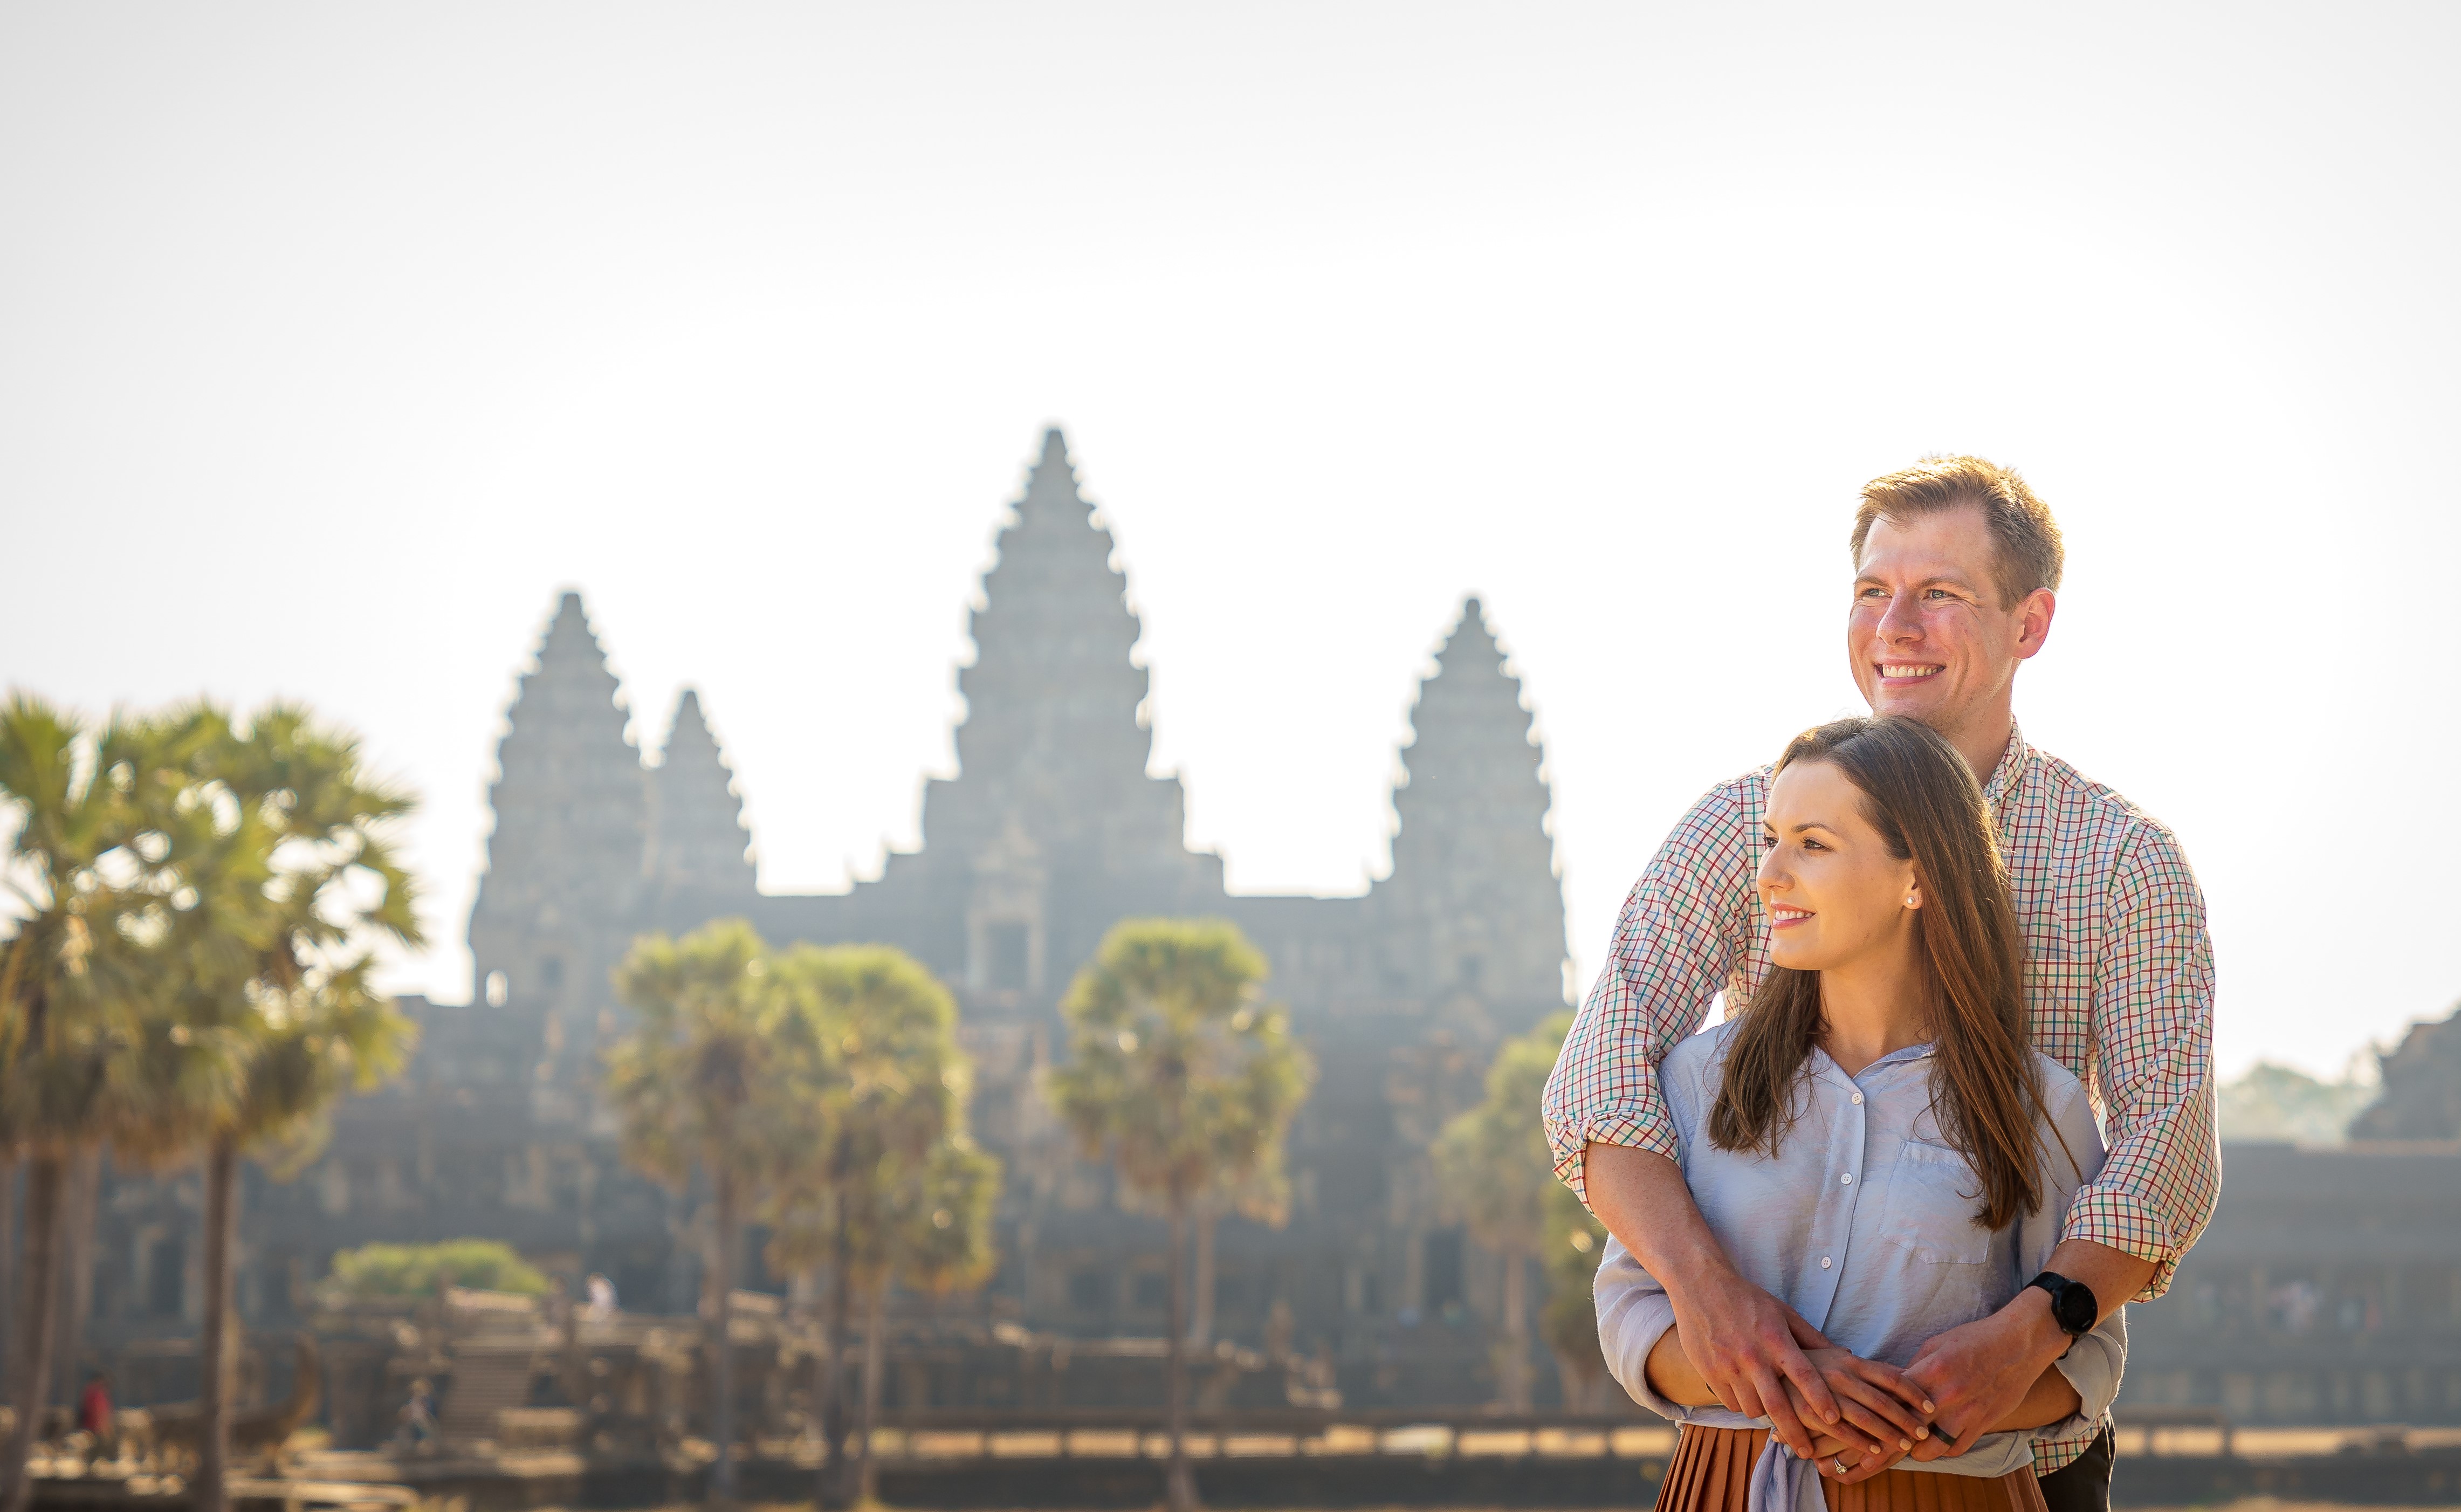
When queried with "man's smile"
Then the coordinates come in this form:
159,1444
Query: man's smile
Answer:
1906,671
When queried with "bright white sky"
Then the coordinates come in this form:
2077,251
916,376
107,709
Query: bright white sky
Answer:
335,340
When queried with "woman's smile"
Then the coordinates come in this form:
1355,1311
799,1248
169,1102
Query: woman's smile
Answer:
1782,916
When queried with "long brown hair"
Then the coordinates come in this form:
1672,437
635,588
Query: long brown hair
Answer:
1986,1092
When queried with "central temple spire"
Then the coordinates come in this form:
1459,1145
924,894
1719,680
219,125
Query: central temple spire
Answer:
1052,697
1051,756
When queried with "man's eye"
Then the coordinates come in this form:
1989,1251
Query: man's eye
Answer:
1936,594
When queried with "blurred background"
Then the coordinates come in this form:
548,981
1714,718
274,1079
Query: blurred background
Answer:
745,319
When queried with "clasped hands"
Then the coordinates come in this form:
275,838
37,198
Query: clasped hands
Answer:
1737,1345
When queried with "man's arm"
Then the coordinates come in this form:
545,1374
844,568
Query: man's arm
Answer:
1674,941
2154,1037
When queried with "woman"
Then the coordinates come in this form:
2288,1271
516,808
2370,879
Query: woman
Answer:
1873,1141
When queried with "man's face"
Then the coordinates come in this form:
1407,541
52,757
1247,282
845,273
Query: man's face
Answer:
1928,636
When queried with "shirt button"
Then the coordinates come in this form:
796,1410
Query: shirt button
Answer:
1858,1100
1824,1262
1847,1179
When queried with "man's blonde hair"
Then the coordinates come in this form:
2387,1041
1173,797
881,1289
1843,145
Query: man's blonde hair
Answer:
2031,554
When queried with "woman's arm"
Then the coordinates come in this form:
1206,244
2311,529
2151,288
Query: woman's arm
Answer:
1671,1374
2050,1400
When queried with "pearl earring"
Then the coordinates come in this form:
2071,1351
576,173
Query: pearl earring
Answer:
1910,901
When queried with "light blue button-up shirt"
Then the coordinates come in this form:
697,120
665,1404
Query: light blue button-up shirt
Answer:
1864,1223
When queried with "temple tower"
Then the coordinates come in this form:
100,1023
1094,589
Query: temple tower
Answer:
1473,907
1052,821
563,889
2422,1087
699,854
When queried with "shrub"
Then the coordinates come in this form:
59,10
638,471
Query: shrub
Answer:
424,1270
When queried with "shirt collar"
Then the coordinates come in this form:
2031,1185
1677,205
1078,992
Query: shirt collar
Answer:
2009,774
1822,1066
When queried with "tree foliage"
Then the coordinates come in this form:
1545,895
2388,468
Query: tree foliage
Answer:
374,1272
1188,1080
1495,1176
1177,1067
289,887
196,900
898,1095
1568,1321
894,1193
725,1068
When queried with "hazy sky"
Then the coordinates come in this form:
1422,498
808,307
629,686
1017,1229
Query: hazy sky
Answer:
334,340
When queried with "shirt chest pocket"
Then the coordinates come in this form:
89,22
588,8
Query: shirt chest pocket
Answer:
1933,1195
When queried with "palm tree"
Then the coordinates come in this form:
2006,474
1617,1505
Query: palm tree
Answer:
283,897
1493,1173
934,1219
899,1094
82,875
718,1074
1263,1196
1188,1080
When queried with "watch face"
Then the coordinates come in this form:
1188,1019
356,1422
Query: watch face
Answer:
2075,1307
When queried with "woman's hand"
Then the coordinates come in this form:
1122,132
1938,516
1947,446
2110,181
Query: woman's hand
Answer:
1876,1399
1861,1463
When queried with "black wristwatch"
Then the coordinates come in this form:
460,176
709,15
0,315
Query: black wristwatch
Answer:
2073,1307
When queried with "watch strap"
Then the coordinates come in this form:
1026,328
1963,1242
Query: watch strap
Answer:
2070,1302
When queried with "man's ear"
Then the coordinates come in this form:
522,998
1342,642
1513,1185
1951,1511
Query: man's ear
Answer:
2034,622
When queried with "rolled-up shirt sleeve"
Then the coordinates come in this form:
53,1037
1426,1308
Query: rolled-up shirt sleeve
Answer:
1675,943
2153,1030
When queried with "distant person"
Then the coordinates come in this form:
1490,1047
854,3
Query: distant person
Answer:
94,1415
1957,565
418,1418
602,1298
1885,1050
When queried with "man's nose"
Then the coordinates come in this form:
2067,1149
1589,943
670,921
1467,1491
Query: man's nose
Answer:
1902,621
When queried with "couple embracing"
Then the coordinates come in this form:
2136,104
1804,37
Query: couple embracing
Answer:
1872,1235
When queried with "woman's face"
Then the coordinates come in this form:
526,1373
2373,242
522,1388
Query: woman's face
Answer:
1835,893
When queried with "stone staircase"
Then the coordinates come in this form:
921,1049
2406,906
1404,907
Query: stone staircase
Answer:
496,1343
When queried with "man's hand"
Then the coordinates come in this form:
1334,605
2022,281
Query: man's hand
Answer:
1747,1345
1748,1348
1979,1373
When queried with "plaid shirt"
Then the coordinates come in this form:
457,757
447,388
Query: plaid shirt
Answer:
2120,979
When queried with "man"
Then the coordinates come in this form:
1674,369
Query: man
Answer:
1956,568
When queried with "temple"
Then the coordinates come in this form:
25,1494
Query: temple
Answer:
1051,830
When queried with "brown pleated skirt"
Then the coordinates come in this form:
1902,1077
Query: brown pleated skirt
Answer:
1712,1471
